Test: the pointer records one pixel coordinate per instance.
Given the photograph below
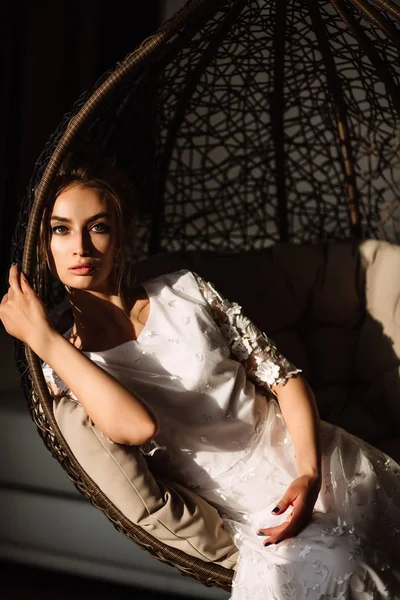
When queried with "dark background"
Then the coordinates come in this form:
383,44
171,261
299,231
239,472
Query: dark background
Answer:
52,51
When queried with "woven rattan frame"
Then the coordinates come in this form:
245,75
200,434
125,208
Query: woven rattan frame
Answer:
202,29
40,402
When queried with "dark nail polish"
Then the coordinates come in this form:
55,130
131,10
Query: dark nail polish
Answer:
13,264
260,533
267,544
276,509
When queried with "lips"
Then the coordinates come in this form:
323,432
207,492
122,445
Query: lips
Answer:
82,270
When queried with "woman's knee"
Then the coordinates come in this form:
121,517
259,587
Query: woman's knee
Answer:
340,555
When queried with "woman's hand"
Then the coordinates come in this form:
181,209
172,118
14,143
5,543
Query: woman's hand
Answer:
21,310
302,494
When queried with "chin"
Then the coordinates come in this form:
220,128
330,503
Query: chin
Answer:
81,282
89,284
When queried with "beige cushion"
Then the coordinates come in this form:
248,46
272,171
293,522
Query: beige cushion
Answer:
171,513
379,343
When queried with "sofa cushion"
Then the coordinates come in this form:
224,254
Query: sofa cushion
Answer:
331,352
331,400
262,286
338,291
171,513
379,342
391,386
290,344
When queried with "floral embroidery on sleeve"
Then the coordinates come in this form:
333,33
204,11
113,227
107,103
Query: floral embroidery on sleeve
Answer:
263,362
55,384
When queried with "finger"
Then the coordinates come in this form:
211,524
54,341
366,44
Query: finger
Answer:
284,503
3,307
272,534
296,525
25,286
265,531
270,531
275,534
295,522
14,278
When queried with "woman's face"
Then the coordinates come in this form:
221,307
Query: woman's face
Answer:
83,239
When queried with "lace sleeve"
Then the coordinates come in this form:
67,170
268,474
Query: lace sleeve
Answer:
263,362
55,384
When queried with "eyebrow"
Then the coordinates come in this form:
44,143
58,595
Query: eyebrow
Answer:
89,220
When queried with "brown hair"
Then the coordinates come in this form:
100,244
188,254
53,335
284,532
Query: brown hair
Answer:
91,169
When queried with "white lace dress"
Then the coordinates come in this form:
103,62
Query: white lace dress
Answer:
200,364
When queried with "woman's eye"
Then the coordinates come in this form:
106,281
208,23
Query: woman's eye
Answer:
100,228
97,228
57,229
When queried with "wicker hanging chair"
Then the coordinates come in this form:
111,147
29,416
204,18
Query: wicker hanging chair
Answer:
243,123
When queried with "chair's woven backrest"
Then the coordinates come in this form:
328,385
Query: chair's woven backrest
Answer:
242,123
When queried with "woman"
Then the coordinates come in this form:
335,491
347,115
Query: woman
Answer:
179,371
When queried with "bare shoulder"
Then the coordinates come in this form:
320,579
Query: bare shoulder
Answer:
143,311
142,306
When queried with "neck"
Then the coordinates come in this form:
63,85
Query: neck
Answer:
92,310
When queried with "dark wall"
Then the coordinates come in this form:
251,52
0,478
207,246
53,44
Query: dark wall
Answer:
51,52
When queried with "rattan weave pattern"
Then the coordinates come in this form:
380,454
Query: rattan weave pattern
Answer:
264,150
243,123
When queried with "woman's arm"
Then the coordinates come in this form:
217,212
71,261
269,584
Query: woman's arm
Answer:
109,404
300,413
112,407
270,370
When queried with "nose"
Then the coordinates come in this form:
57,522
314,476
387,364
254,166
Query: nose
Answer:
82,243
